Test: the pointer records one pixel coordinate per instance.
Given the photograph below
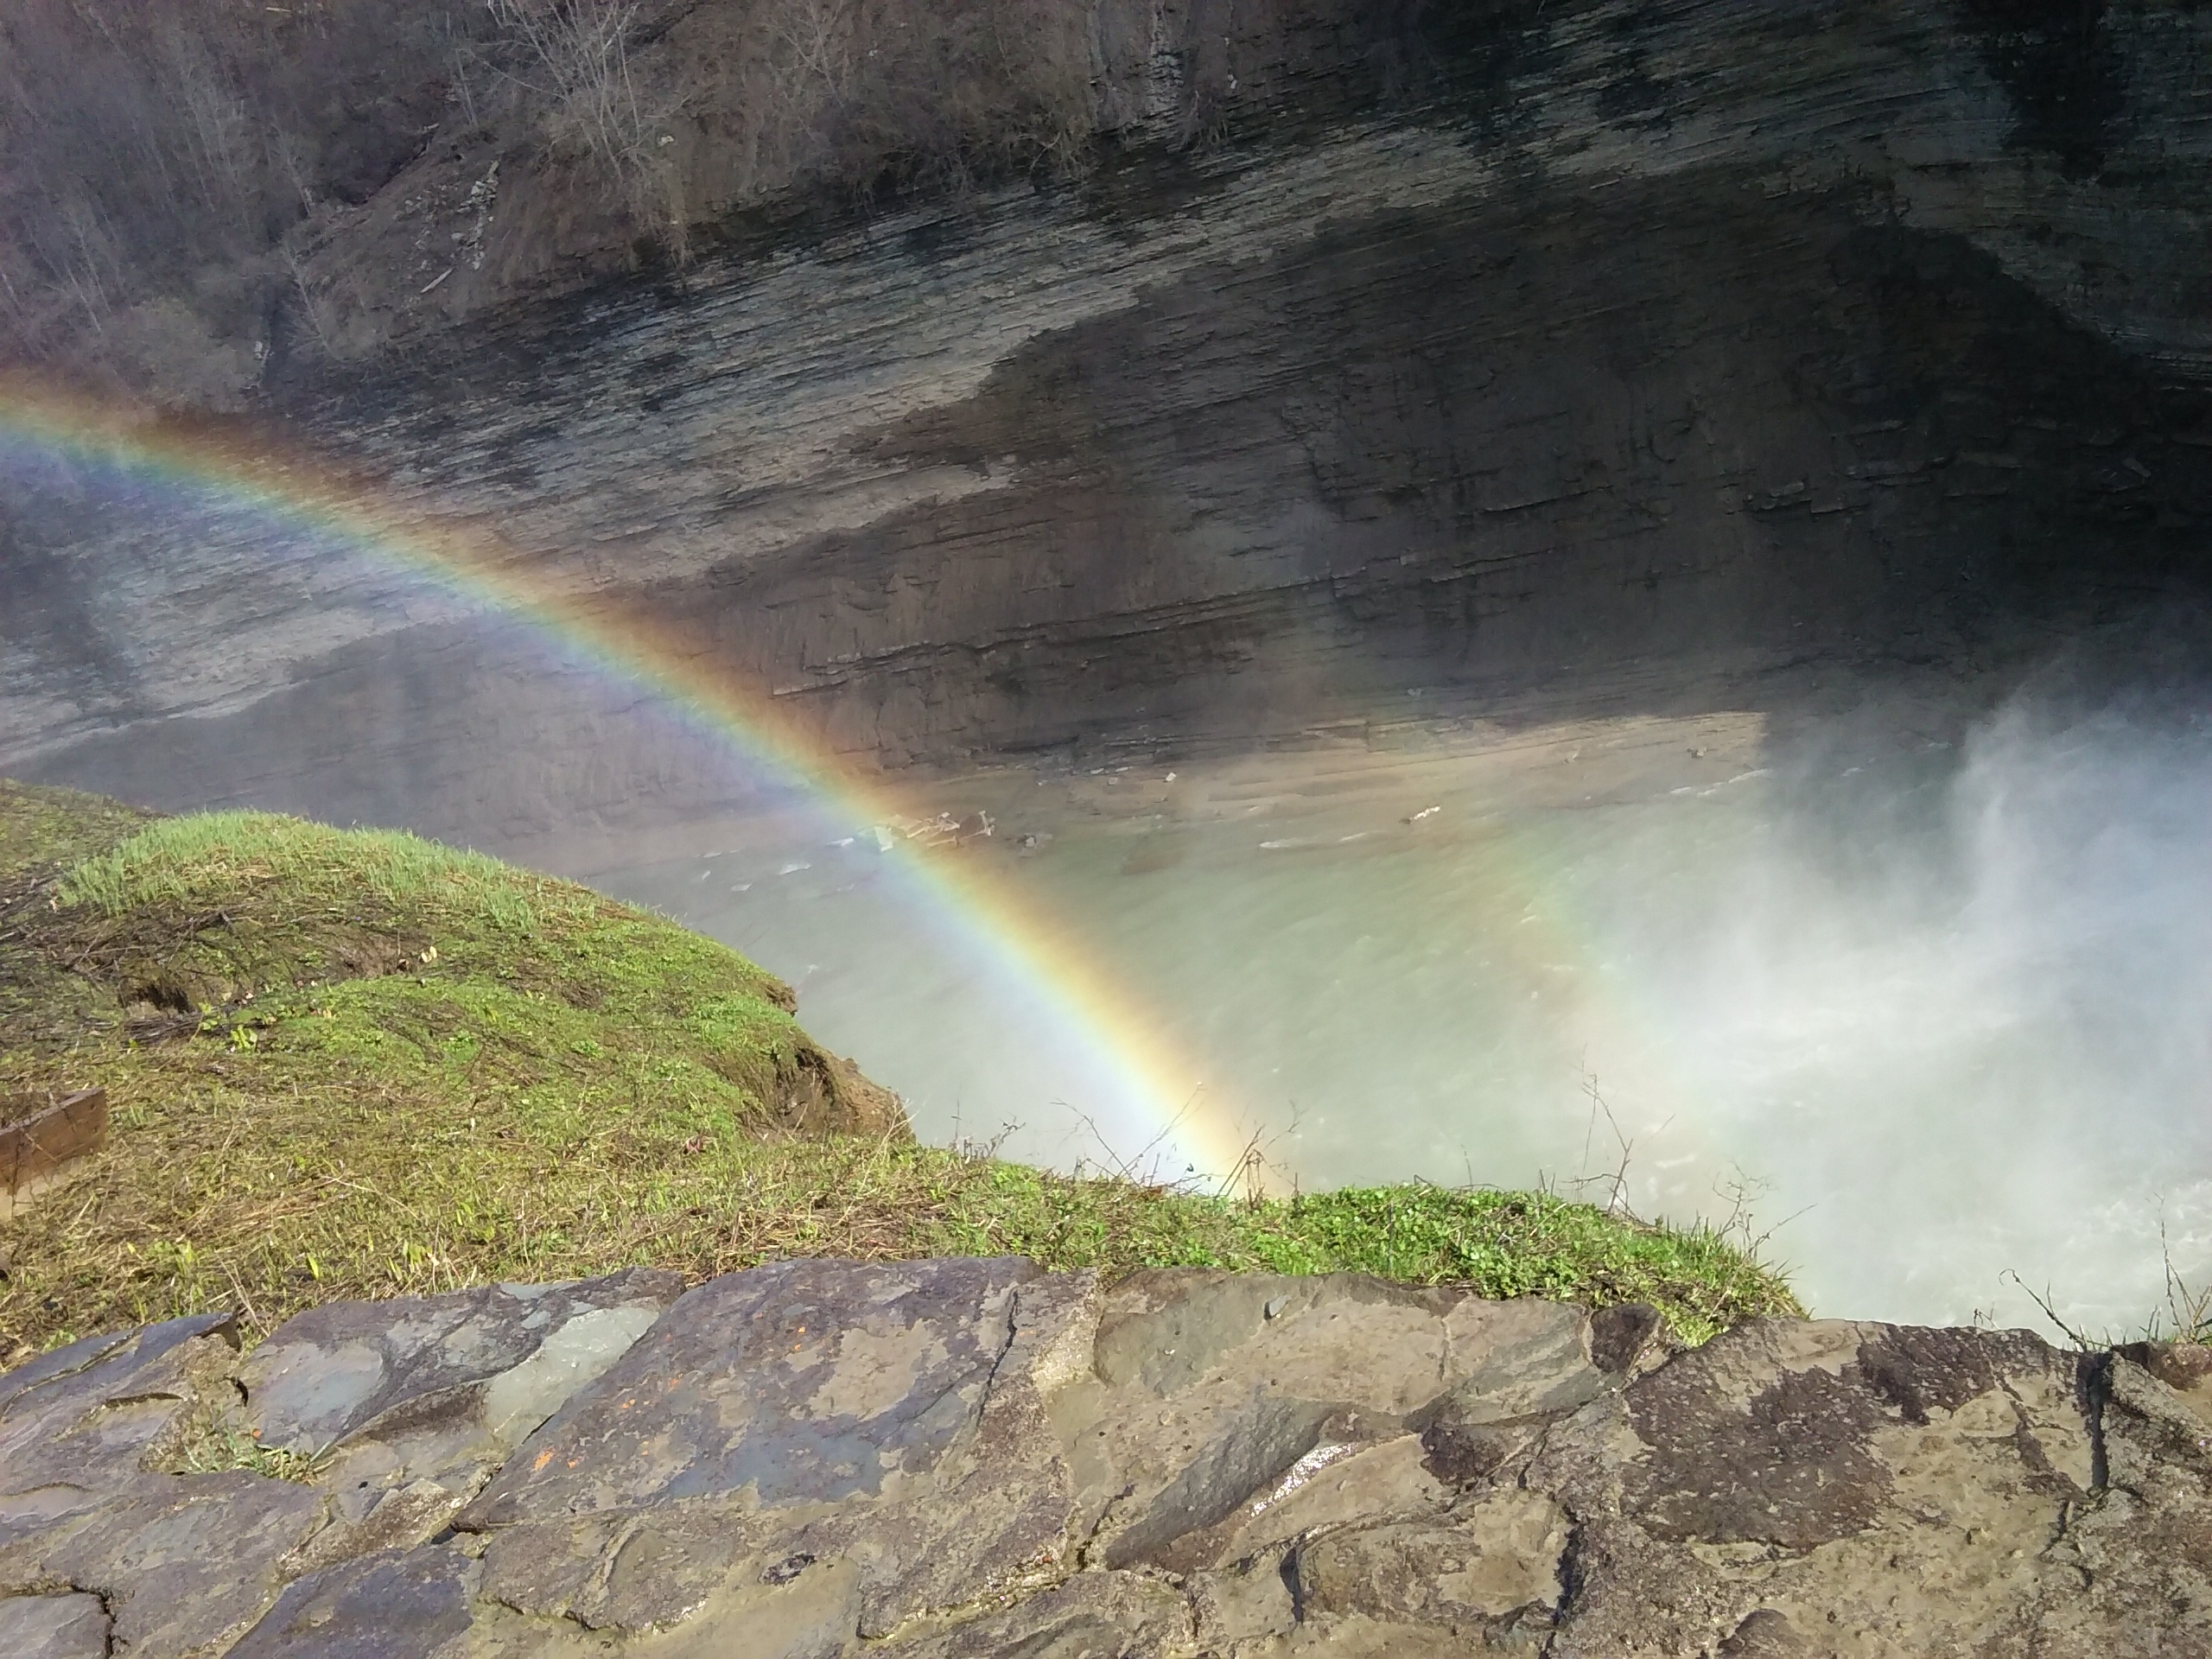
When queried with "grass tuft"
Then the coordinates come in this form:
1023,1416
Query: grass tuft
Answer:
348,1064
220,1450
216,858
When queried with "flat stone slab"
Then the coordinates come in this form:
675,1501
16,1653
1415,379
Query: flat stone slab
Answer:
804,1382
184,1564
68,1626
430,1394
778,1423
964,1458
393,1604
83,1418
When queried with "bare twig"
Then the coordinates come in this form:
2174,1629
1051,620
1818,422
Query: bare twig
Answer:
1615,1179
579,51
2191,1308
2042,1301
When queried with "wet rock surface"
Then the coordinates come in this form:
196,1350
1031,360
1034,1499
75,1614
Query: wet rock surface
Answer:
970,1457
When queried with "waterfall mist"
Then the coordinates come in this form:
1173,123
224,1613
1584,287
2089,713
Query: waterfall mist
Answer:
1955,1007
1929,999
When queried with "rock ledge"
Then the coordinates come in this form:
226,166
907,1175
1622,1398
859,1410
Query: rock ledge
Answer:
964,1458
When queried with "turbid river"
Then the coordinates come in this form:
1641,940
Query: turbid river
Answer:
1929,1005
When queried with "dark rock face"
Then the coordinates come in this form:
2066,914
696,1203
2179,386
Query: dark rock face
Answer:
959,1459
1675,348
812,1421
410,1602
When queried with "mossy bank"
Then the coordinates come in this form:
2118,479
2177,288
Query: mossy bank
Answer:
353,1063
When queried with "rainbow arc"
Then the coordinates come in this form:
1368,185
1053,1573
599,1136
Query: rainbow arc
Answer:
1154,1097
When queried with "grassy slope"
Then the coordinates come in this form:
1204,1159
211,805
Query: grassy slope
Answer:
348,1064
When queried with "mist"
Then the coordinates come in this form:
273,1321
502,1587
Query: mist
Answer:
1956,1014
1922,1003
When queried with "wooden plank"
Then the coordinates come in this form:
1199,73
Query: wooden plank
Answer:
35,1148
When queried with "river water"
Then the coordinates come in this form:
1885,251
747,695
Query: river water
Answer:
1930,1006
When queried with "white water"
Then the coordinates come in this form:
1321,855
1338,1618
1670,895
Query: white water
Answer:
1945,1008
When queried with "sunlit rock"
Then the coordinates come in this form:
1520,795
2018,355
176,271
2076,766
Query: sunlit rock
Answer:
957,1459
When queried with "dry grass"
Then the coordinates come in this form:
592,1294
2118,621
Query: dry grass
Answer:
540,1084
325,1201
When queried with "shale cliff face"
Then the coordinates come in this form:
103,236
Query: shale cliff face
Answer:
1665,348
964,1459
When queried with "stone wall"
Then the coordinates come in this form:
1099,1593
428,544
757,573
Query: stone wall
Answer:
970,1457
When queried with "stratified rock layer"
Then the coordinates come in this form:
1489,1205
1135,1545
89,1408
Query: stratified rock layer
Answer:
970,1458
1670,349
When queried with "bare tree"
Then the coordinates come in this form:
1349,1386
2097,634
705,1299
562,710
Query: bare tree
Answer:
171,169
815,38
219,143
577,64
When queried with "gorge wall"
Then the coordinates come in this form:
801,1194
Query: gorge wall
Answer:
1657,356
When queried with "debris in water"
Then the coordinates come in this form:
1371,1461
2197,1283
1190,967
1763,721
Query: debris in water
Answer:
943,831
1426,812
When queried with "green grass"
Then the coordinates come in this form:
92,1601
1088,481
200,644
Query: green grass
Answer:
209,858
349,957
356,1063
43,827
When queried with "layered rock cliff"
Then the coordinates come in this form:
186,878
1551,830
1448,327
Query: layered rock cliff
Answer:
1662,351
969,1458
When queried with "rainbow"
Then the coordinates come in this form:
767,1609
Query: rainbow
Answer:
1165,1118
